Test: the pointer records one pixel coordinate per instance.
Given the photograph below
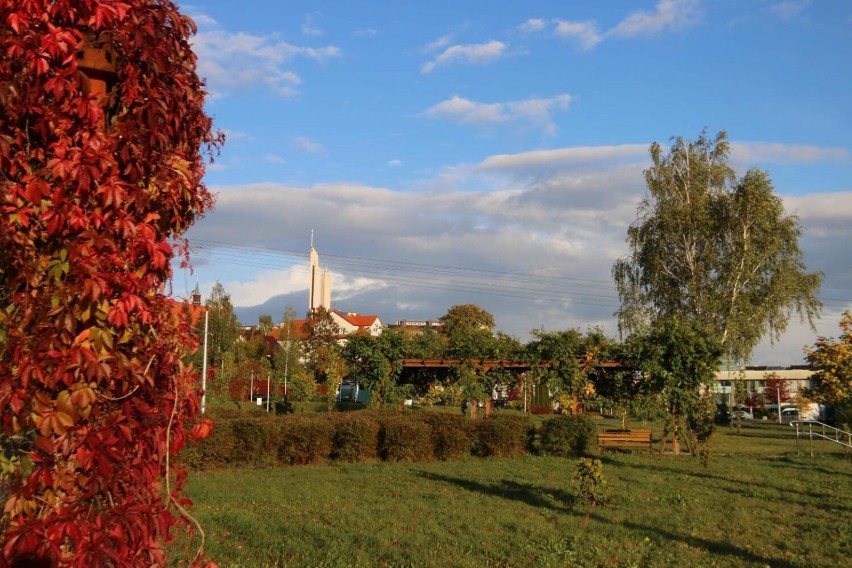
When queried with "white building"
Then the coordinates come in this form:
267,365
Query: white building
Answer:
753,380
319,285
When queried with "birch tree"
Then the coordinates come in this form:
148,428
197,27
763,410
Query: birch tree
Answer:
714,249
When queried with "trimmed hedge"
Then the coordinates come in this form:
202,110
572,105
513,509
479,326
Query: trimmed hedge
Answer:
264,440
452,435
305,440
406,440
502,436
355,439
567,435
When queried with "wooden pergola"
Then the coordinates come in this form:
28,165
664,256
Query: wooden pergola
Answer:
488,364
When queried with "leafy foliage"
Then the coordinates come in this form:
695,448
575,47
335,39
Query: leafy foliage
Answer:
320,343
833,360
592,487
468,331
678,362
563,361
567,436
95,189
713,249
776,388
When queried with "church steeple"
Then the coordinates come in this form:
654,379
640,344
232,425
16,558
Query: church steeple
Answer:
319,285
196,295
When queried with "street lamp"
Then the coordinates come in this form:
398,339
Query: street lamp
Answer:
268,380
778,395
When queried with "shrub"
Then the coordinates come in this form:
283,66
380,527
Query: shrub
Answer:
406,439
541,410
356,438
305,440
502,436
452,435
592,488
217,450
567,435
255,441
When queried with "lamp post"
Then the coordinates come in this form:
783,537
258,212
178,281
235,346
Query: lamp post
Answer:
286,358
268,380
251,388
778,395
204,364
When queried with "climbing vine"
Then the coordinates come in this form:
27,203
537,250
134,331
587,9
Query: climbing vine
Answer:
100,175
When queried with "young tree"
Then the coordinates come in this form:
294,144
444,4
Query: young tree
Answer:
223,328
832,359
776,388
678,361
264,324
320,344
713,249
101,132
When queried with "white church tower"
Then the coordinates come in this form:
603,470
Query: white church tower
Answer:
319,287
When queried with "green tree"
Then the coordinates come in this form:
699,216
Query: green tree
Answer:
288,359
320,344
376,363
678,361
713,249
426,344
468,330
264,324
223,327
563,362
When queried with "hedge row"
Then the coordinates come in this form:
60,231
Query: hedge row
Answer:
263,440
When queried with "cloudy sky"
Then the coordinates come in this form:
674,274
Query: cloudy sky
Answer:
492,153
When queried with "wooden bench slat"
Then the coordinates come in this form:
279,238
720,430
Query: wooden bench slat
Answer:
629,440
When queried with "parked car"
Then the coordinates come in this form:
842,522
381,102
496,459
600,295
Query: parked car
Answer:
789,414
744,414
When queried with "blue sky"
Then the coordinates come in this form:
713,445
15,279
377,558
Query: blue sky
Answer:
492,153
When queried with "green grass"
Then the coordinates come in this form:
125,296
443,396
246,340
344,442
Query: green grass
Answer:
758,504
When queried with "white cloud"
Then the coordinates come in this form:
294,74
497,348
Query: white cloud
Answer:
439,43
309,28
262,285
533,25
365,33
586,33
395,163
790,9
274,159
234,61
471,54
561,157
786,153
306,145
534,111
669,14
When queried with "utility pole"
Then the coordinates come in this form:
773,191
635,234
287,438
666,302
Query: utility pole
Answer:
204,364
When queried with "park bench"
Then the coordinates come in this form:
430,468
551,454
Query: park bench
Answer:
625,440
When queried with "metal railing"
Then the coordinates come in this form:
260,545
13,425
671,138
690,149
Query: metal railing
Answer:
815,429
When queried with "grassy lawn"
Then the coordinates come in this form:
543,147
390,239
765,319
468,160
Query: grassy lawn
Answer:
758,504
